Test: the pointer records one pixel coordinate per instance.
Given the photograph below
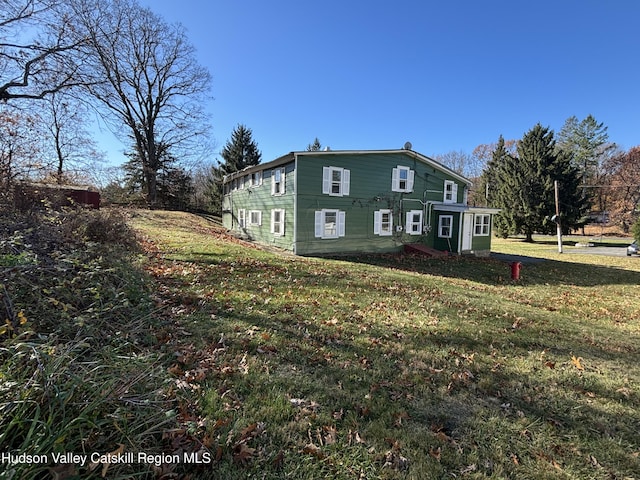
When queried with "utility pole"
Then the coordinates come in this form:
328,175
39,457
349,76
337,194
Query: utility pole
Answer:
557,216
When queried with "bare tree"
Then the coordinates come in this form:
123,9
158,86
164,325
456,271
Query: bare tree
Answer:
19,147
68,143
36,49
144,73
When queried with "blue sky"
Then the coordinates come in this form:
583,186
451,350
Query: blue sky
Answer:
446,76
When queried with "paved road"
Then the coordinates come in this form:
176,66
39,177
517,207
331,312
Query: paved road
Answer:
610,251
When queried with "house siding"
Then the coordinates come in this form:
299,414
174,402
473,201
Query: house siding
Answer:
260,198
313,200
370,190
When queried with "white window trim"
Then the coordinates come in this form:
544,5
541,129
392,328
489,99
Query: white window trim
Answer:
441,226
274,182
242,218
484,224
377,222
409,223
320,220
280,232
454,192
259,219
395,179
327,181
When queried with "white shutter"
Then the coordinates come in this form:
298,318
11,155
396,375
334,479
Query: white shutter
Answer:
273,221
341,221
454,193
326,180
283,176
410,178
407,223
319,223
273,182
346,174
377,221
395,180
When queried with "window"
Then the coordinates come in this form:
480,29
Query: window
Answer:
445,226
242,218
383,222
402,179
450,192
256,179
255,217
277,222
481,225
329,223
335,181
414,222
277,181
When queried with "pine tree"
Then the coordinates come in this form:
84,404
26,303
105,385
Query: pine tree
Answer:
316,146
525,186
240,152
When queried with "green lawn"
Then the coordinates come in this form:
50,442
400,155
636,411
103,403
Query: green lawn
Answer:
396,366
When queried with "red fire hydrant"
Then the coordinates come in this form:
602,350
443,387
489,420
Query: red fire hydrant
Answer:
515,270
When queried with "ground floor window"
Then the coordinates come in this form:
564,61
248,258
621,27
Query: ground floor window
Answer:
277,222
242,218
329,223
445,225
383,222
482,225
414,222
255,217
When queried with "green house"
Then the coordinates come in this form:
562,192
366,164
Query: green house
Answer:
374,201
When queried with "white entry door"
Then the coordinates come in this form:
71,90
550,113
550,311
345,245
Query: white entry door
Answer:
467,231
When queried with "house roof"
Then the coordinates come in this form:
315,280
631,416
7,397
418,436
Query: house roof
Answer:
291,156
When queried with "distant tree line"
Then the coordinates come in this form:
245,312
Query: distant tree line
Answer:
597,180
113,57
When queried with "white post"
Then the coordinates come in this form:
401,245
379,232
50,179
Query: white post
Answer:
558,226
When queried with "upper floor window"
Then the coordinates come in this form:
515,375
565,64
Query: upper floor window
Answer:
402,179
277,181
335,181
414,222
482,225
450,192
256,179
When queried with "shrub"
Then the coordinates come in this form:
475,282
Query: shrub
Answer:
635,230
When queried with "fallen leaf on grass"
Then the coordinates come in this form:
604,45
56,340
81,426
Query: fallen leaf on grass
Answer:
314,450
577,362
435,452
243,454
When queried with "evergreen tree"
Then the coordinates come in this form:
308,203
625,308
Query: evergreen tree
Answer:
240,152
316,146
525,186
587,141
496,194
